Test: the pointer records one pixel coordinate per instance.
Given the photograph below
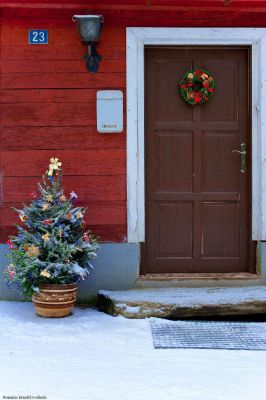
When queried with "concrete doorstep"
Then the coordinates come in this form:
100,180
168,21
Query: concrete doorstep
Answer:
174,303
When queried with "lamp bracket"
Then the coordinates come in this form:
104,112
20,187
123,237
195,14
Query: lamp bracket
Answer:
92,58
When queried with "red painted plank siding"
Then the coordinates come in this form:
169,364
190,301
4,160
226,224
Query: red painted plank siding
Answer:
106,233
96,214
112,230
58,52
76,162
62,80
48,108
48,97
110,188
175,13
49,114
66,36
59,66
68,137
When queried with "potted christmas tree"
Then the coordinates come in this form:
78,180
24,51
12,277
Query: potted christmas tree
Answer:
52,250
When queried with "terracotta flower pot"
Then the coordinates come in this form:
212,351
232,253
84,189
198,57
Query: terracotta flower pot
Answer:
55,301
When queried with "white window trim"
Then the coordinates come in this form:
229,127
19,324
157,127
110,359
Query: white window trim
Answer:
137,38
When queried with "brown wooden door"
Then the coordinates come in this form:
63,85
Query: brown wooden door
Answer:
197,200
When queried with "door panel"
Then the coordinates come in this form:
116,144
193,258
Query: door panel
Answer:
197,200
220,229
217,161
179,245
176,154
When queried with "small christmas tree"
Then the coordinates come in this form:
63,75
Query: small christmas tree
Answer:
53,246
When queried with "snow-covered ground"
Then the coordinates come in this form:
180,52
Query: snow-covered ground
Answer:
93,356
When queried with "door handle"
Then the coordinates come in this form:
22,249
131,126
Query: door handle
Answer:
243,157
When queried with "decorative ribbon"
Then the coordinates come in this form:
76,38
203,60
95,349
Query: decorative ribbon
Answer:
54,165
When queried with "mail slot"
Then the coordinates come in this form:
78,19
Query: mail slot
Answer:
109,111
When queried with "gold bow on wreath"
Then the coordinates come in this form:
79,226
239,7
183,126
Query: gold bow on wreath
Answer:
54,165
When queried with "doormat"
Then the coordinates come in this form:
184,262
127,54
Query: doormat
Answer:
208,335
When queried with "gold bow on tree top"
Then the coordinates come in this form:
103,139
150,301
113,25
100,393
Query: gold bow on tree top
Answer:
54,165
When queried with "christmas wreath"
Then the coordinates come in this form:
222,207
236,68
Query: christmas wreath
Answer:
196,86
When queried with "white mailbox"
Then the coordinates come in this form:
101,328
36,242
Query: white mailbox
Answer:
109,111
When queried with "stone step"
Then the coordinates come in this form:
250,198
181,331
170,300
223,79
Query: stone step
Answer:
174,303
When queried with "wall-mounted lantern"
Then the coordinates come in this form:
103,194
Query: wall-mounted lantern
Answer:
89,27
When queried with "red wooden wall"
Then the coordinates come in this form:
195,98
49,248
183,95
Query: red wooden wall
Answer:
48,98
48,109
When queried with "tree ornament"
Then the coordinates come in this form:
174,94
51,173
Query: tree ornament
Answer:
11,271
46,237
73,195
45,206
196,86
11,267
49,198
62,198
33,251
47,221
45,273
33,195
55,164
23,217
11,274
86,237
10,244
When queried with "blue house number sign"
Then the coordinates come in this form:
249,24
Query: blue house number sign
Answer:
38,36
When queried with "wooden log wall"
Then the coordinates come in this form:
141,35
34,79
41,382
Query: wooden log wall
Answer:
48,109
48,99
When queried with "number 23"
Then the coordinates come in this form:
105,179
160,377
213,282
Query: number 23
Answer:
38,36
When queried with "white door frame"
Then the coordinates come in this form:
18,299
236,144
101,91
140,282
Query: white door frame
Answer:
137,38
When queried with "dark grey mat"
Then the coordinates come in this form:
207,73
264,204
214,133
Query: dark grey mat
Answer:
208,335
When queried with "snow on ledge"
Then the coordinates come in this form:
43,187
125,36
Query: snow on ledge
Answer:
189,296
